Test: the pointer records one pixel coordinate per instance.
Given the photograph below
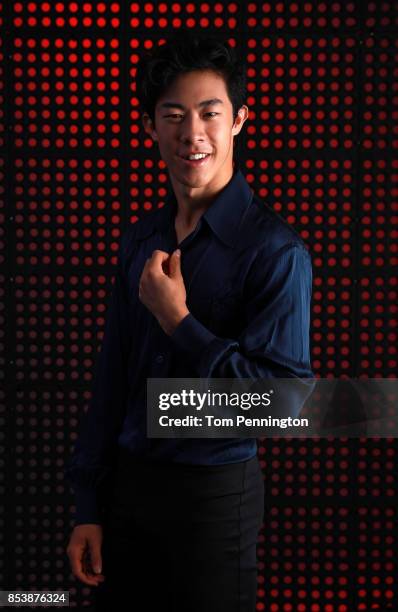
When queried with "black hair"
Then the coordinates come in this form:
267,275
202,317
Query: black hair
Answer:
185,52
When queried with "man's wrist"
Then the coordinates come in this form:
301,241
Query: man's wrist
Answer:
169,325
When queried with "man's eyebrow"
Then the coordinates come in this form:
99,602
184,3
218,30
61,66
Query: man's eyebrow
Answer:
203,103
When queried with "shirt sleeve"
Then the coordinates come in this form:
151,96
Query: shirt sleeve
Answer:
94,455
275,342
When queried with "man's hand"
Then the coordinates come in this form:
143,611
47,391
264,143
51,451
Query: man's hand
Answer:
162,289
84,552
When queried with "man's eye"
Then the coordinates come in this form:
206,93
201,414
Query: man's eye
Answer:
175,115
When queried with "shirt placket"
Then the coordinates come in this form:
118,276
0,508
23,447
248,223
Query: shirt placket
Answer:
162,355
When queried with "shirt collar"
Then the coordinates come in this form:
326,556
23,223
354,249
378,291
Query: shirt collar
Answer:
224,215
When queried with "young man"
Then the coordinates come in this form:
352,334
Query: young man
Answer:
214,284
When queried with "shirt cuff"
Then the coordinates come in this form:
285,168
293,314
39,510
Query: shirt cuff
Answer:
192,337
87,508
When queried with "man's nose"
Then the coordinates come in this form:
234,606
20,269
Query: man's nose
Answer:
192,128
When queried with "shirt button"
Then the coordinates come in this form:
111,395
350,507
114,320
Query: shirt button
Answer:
159,359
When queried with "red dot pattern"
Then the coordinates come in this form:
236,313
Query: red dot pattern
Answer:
76,168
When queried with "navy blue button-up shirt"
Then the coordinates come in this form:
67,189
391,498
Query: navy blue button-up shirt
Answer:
248,279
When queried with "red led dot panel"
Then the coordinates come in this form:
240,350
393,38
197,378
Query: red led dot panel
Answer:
76,167
66,92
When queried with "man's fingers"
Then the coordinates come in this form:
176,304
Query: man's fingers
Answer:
84,552
166,266
80,570
95,555
159,253
175,263
157,263
158,257
88,579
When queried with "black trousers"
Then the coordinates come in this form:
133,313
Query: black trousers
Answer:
182,538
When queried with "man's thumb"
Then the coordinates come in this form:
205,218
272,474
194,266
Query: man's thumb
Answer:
175,261
95,556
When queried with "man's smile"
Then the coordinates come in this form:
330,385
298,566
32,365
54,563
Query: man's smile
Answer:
193,163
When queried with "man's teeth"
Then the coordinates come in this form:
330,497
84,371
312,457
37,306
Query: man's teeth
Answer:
197,156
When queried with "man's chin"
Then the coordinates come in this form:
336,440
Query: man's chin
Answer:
190,179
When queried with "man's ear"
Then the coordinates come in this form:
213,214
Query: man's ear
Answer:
241,117
148,126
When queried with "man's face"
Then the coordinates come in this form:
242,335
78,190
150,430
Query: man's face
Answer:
183,126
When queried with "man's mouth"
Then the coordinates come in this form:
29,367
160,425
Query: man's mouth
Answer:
197,160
